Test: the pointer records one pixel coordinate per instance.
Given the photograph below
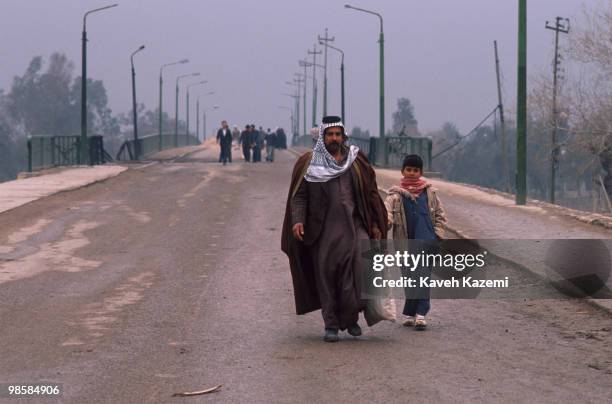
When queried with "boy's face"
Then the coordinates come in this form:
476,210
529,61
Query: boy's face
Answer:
411,172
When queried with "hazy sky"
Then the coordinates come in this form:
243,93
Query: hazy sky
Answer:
439,53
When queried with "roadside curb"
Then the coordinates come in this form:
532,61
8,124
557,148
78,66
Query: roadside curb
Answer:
142,164
595,219
68,189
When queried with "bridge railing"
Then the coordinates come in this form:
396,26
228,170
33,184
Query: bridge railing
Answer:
150,144
388,152
54,151
303,141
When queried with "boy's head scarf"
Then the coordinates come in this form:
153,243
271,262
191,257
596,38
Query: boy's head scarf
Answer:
323,166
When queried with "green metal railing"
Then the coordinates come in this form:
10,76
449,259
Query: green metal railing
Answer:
148,145
388,152
53,151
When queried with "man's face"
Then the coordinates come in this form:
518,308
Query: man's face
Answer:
224,124
333,139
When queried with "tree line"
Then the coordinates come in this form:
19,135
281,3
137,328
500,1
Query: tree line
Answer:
46,101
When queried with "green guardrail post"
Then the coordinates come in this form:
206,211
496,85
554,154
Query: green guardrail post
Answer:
29,153
385,144
53,159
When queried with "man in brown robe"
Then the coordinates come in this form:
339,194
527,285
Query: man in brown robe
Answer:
333,204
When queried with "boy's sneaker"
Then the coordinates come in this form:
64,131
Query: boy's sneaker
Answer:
420,324
409,322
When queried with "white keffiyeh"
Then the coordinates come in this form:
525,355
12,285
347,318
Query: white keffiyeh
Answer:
323,166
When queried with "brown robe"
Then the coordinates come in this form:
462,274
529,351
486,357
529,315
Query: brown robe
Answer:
369,208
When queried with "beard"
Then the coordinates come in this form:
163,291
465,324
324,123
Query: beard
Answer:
333,147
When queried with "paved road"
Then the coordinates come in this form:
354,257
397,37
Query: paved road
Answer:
170,279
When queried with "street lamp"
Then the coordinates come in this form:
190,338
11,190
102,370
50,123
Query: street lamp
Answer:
187,107
161,82
198,114
324,41
341,80
301,79
381,41
136,144
176,108
314,65
84,155
293,128
204,122
297,85
305,64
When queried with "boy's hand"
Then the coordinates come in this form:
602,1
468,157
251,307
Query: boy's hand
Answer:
298,231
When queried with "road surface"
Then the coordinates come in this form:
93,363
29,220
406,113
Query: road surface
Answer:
170,278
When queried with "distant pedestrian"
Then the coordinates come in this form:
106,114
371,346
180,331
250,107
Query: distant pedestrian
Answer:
271,141
224,139
281,139
419,215
245,142
235,134
257,144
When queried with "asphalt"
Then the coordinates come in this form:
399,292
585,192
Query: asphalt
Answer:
170,278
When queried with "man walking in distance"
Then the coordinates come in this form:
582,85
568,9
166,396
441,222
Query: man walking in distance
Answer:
333,204
271,141
245,142
224,139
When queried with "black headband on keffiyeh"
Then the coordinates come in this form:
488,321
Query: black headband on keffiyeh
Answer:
330,122
323,166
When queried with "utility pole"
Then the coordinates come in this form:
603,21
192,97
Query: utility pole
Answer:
295,126
314,54
304,63
324,41
197,134
521,109
502,120
564,28
187,118
299,80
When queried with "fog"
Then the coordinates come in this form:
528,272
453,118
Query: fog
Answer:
439,53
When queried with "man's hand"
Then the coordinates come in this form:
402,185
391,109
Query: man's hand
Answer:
298,231
376,234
